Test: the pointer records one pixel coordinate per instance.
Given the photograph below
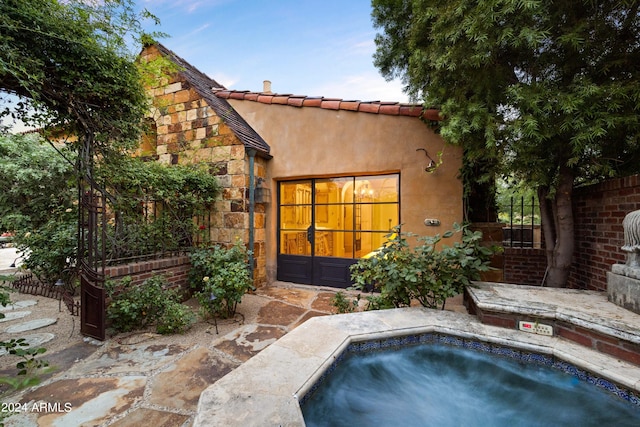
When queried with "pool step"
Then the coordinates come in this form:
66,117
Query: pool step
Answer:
584,317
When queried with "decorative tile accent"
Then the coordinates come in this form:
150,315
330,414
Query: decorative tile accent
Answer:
477,346
537,359
450,340
506,352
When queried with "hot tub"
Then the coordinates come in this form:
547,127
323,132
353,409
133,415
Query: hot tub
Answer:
266,390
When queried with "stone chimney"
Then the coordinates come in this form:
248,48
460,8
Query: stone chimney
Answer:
266,86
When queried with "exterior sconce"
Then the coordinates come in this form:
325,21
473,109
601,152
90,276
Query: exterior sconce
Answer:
432,163
262,192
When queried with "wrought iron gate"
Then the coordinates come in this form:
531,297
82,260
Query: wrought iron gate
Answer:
91,246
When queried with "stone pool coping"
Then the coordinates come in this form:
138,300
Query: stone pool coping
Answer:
587,309
264,391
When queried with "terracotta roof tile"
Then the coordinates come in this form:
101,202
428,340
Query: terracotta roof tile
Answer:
265,99
432,114
374,107
349,105
280,99
330,104
312,102
236,95
392,110
296,101
369,107
410,110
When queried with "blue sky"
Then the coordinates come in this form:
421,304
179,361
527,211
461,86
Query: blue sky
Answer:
305,47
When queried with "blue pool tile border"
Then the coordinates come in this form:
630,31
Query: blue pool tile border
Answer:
523,356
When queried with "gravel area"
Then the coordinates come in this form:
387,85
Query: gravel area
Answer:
66,329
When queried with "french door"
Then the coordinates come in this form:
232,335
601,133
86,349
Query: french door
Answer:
327,224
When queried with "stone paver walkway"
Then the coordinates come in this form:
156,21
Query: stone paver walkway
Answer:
148,379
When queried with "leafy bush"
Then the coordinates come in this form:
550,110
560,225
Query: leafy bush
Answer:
154,204
220,277
28,367
36,183
37,195
343,304
176,319
150,303
402,273
51,249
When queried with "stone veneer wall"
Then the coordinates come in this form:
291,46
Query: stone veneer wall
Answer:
189,131
599,210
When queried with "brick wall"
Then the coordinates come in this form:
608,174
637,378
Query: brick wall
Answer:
524,266
175,269
599,210
598,213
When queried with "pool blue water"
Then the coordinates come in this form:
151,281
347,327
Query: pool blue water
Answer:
439,385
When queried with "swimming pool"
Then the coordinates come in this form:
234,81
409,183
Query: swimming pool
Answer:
448,381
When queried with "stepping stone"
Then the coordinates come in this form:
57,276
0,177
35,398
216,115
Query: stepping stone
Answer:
30,325
179,385
18,304
34,340
13,315
244,343
93,401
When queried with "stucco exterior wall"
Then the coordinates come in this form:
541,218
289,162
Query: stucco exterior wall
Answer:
313,142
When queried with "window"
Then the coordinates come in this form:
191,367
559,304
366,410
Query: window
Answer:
350,215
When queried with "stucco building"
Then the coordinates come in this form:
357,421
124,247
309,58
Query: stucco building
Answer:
311,184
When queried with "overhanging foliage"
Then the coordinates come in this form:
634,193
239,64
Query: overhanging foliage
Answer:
550,90
69,62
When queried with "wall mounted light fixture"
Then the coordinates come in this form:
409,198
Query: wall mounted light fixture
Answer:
432,163
262,192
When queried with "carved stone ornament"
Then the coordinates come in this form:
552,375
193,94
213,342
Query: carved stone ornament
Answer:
631,227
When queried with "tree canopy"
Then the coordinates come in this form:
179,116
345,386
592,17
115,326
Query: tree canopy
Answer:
549,88
68,61
35,182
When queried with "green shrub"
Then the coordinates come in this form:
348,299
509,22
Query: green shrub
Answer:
402,273
220,277
29,368
176,319
150,303
51,249
343,304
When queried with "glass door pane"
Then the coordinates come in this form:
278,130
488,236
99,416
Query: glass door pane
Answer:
295,217
334,217
351,215
376,211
